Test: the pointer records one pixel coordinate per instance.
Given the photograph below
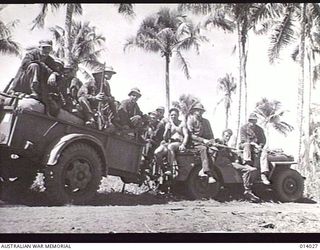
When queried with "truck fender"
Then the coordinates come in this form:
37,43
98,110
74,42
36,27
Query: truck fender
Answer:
278,166
55,149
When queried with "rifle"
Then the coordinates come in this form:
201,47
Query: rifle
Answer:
101,120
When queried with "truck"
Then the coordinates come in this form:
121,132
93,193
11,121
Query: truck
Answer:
73,158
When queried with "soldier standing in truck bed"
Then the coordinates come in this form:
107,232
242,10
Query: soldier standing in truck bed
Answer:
129,112
90,96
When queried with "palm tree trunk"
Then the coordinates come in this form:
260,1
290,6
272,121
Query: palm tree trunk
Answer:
227,117
68,23
167,82
244,70
301,83
240,83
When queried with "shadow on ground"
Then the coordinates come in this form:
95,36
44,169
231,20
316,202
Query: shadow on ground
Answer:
34,199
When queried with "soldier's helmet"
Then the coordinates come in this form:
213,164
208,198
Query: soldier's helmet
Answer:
107,70
198,106
252,116
135,91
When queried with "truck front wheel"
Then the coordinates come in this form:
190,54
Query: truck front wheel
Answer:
288,185
76,177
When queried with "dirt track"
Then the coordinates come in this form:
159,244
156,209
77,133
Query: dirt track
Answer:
146,213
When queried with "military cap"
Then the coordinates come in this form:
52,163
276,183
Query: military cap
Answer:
45,43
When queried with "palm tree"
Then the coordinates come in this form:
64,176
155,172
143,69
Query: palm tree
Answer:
299,17
227,86
7,45
85,45
271,113
185,103
167,32
239,18
71,10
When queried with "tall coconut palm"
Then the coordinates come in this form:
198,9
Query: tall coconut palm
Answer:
300,18
227,86
271,115
185,103
86,45
168,33
7,45
238,18
71,10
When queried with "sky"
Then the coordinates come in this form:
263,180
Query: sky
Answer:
136,68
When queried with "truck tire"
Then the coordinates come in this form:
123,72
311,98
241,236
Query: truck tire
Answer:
76,177
198,187
288,185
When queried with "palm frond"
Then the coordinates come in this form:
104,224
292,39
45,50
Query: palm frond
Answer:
283,35
126,9
295,53
77,9
38,22
7,46
199,8
183,64
219,21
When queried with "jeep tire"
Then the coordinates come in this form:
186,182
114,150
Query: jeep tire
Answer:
288,185
198,187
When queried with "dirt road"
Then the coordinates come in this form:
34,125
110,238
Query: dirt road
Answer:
147,213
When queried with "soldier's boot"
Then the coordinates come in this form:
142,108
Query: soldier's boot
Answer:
251,196
264,179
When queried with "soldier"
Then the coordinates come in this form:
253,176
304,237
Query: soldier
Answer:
70,88
252,141
36,70
176,137
201,137
129,112
89,95
160,113
151,137
228,157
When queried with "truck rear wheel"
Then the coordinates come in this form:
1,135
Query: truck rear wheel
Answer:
198,187
288,185
76,177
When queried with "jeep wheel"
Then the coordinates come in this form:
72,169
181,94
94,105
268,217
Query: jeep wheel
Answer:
76,177
198,187
288,185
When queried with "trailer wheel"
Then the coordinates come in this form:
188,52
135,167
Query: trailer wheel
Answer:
198,187
76,177
288,185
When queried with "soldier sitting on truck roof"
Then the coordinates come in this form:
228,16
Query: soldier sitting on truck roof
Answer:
89,96
36,70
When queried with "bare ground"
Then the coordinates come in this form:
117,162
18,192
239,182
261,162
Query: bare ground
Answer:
148,213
